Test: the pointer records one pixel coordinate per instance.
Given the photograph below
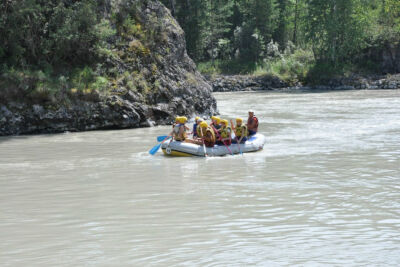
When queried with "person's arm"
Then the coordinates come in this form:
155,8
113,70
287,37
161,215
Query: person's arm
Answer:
233,126
172,132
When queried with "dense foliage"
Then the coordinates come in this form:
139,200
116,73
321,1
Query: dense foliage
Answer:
53,49
338,32
75,45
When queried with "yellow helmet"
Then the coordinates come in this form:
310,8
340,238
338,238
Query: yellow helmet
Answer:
197,118
225,122
213,118
239,120
217,120
182,119
203,124
178,119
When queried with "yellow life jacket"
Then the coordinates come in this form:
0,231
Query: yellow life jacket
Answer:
203,132
241,131
209,141
209,129
225,132
176,130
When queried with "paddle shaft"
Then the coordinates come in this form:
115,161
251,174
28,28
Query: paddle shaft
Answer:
161,137
166,138
237,139
202,139
157,147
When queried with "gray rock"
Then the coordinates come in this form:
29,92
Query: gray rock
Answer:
392,85
172,87
344,87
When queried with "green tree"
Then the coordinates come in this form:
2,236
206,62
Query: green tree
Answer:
281,34
217,25
38,32
336,29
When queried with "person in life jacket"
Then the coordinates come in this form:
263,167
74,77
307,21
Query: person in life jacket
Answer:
215,122
240,131
197,121
179,129
252,123
207,134
225,134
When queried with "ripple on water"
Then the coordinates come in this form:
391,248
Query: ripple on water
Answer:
324,191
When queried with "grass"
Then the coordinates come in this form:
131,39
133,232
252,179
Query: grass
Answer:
289,67
299,66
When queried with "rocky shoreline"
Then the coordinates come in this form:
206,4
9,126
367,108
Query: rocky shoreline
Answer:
232,83
156,81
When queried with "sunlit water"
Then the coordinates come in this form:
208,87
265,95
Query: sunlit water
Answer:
324,191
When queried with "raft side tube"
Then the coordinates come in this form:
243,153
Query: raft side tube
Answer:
176,148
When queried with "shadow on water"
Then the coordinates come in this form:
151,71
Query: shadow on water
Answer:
4,139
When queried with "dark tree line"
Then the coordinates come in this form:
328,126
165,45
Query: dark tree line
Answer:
336,30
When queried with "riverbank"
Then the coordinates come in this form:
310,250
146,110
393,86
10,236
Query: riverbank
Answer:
140,76
232,83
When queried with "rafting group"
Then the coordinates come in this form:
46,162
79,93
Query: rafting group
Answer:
218,132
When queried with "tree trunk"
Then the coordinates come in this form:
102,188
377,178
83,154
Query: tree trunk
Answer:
172,7
296,17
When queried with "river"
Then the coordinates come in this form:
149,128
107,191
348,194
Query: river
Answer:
324,191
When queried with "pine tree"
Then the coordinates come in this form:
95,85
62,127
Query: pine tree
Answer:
281,34
217,25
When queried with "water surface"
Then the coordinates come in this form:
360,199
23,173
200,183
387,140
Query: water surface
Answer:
324,191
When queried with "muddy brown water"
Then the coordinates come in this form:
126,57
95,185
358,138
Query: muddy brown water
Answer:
324,191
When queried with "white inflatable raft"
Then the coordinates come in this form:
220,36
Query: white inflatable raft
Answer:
182,149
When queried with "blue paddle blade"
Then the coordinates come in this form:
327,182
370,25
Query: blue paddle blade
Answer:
161,138
155,149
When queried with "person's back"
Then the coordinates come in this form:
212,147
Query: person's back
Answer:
209,137
179,129
206,133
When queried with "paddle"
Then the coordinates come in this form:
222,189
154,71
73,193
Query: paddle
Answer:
157,147
202,139
237,140
215,130
161,137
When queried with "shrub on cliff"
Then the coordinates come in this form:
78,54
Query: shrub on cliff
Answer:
51,48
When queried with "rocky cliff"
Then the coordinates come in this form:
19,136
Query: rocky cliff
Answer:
150,80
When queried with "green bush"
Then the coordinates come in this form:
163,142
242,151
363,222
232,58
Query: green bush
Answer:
81,78
234,66
100,84
291,67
